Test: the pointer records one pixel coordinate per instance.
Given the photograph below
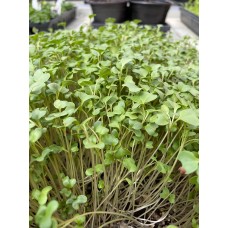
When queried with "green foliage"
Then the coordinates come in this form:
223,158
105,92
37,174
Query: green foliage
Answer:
192,6
113,115
43,15
189,161
67,6
44,214
46,13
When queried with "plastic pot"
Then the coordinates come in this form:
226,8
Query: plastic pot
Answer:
150,12
190,20
112,8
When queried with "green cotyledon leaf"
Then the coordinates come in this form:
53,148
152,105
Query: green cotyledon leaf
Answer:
143,97
129,163
189,116
189,161
41,76
35,134
130,84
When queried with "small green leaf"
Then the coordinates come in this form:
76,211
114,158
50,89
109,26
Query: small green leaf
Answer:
68,183
130,84
141,72
151,129
89,145
165,193
135,124
101,184
165,109
51,149
66,192
96,111
114,124
74,148
80,219
43,195
129,163
91,16
60,104
129,181
119,108
38,114
189,116
89,172
101,130
84,97
52,207
161,167
171,226
149,145
189,161
104,72
162,119
109,158
36,87
85,82
172,198
40,76
68,121
99,168
44,214
124,61
122,152
35,135
54,87
110,139
143,97
36,194
54,223
32,49
81,199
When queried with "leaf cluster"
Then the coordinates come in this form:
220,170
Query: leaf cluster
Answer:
46,13
43,15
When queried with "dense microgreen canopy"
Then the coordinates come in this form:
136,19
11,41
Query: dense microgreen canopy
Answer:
113,116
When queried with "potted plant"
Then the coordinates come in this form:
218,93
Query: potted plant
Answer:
190,15
117,9
46,17
151,12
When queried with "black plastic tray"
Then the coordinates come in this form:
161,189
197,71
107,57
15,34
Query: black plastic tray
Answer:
164,27
180,1
149,12
190,20
115,9
67,17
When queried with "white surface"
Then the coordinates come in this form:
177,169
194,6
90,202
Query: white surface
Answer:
82,15
36,5
177,27
58,6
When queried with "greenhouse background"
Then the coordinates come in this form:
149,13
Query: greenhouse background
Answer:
180,17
